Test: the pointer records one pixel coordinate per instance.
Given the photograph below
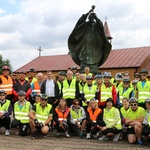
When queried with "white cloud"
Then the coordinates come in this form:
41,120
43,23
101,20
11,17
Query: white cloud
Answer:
48,23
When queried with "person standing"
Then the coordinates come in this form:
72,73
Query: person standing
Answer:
51,89
70,89
21,110
6,82
5,112
31,77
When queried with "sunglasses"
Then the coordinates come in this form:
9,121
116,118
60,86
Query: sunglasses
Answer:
133,105
126,82
76,104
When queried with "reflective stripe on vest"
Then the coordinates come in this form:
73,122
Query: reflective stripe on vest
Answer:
69,91
22,114
42,114
125,93
94,115
109,116
6,84
89,93
106,92
5,106
143,92
36,88
62,116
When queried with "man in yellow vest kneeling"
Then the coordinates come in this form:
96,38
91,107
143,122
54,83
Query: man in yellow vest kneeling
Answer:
40,117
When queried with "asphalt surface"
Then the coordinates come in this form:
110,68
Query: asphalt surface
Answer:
53,142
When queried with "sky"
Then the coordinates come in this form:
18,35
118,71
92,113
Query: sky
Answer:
26,25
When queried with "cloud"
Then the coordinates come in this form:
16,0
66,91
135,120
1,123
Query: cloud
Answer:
48,24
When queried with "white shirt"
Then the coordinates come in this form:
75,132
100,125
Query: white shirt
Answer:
50,92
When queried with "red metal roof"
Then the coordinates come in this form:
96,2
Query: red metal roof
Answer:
120,58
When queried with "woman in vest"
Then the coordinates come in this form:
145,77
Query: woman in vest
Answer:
146,122
40,117
5,112
77,118
21,110
112,119
62,117
94,115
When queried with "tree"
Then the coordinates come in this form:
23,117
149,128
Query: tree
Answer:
4,62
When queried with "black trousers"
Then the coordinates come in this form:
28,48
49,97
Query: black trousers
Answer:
146,131
23,127
5,122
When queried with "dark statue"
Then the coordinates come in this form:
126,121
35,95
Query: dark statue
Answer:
87,43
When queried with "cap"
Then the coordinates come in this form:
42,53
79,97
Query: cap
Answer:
21,93
147,100
2,92
110,100
133,100
107,74
89,78
118,76
74,68
32,69
134,81
22,72
61,73
137,74
44,96
38,95
98,76
126,80
144,71
5,68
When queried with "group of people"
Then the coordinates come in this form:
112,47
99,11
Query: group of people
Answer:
99,105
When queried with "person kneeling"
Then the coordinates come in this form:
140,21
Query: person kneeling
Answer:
21,110
77,118
40,117
112,120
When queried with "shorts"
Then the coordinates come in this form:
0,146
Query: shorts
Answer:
130,130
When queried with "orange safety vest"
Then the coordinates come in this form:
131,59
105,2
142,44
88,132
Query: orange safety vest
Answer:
36,87
62,116
7,84
93,115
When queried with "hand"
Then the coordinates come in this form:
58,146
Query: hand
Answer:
55,101
104,128
1,114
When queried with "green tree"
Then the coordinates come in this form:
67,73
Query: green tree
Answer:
4,62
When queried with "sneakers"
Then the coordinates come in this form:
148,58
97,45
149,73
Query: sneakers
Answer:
67,135
58,133
33,135
140,142
95,136
7,132
88,136
116,137
103,138
81,135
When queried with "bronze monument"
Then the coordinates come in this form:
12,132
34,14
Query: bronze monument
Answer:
87,43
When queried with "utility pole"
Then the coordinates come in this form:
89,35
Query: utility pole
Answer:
39,49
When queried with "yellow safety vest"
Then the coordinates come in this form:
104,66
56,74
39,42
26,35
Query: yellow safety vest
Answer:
89,94
22,114
124,112
143,92
69,91
5,106
76,115
109,116
42,114
106,92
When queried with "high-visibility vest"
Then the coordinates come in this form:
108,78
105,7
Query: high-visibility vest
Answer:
89,74
69,91
125,93
143,92
41,113
124,112
59,86
89,94
22,114
76,115
94,115
36,87
148,117
5,106
6,84
109,116
33,80
106,92
62,115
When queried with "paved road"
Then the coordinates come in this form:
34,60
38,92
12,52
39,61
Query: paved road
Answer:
52,142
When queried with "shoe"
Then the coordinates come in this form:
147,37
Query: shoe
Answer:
33,135
88,136
103,138
81,135
140,142
44,135
7,132
95,136
67,135
116,137
58,133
